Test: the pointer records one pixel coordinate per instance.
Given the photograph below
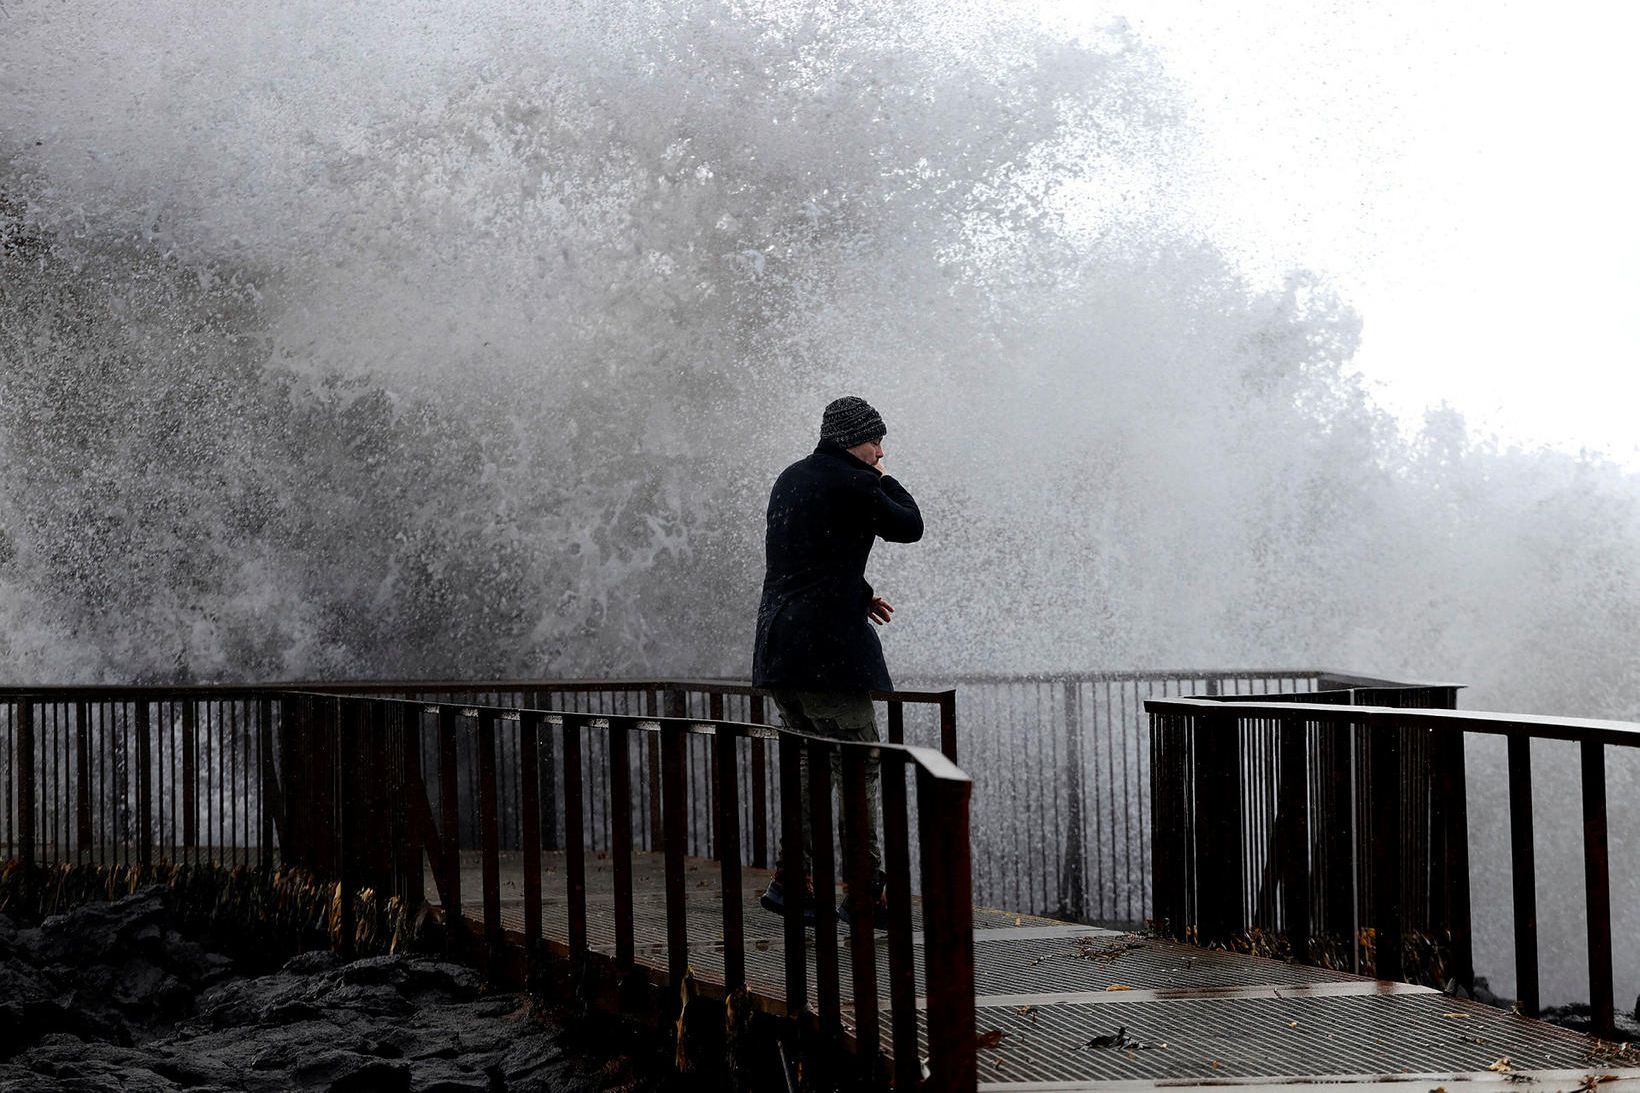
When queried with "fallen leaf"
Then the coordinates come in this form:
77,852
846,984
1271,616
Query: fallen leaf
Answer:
1292,1024
991,1038
1019,920
1214,1064
1027,1011
1118,987
1457,1016
1501,1066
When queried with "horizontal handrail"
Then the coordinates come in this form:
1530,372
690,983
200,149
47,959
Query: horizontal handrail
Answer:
930,760
380,686
1496,723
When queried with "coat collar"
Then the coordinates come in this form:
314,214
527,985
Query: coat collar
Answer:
837,451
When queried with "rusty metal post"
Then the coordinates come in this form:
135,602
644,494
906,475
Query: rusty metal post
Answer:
1073,863
827,989
1523,869
760,791
575,867
714,812
145,785
948,930
1597,888
1293,827
1384,749
345,732
26,774
862,911
190,773
675,839
82,774
410,882
268,783
455,925
529,781
902,985
948,724
728,832
794,874
1453,814
1221,879
1169,822
620,803
490,835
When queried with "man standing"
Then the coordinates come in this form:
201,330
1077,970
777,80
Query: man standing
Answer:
816,650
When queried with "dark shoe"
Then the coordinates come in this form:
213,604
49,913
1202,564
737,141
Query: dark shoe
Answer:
879,902
774,898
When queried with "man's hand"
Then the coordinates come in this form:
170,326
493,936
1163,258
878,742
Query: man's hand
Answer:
879,611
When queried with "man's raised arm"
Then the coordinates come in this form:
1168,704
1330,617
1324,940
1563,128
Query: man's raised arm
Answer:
897,518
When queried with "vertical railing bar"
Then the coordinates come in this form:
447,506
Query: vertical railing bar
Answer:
82,769
1523,869
145,785
190,775
675,836
793,871
902,987
489,835
265,775
948,931
1597,886
346,730
620,769
727,829
760,789
575,876
529,818
714,778
862,910
25,781
657,837
450,822
825,893
948,724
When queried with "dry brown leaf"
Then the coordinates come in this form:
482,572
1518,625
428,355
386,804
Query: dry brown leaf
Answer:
1457,1016
1118,987
991,1038
1026,1011
1292,1024
1501,1066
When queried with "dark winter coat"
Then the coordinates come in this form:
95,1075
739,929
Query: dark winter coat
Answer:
825,512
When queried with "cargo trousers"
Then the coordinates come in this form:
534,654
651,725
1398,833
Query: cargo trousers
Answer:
847,716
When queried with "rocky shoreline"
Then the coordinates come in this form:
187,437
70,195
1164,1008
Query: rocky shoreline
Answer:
117,996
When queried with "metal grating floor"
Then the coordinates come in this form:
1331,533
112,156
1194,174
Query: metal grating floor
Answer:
1046,988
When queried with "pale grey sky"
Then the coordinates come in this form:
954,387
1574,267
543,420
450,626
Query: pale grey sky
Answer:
1463,172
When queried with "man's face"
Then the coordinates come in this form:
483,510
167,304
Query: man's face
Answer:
868,452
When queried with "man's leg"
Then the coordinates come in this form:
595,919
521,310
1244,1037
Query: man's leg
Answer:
852,718
792,712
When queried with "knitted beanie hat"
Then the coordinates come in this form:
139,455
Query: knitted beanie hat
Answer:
850,420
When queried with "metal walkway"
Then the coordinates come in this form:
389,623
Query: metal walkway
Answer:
1065,1007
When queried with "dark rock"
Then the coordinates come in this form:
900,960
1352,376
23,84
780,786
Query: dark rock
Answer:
436,976
375,970
374,1077
320,960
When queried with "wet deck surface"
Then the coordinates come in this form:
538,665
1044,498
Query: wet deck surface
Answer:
1185,1015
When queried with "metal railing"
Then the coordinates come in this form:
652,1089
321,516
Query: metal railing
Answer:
1213,756
1083,851
360,782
